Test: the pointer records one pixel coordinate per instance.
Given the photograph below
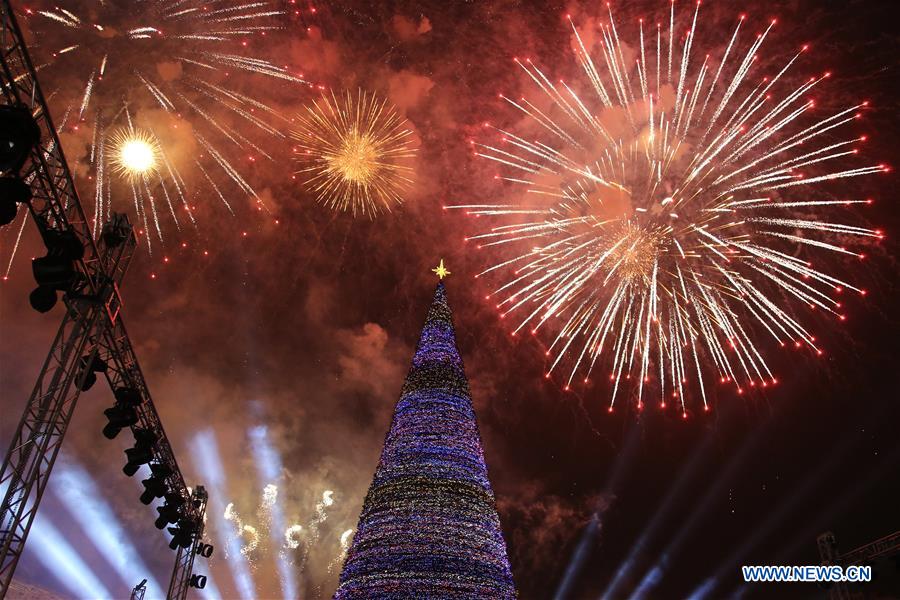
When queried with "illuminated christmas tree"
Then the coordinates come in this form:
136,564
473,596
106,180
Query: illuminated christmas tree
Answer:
429,527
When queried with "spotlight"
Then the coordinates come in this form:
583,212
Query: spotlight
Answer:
183,533
90,370
141,453
155,485
90,378
56,271
13,191
170,511
119,418
128,396
153,488
122,414
98,365
42,299
19,133
65,244
115,231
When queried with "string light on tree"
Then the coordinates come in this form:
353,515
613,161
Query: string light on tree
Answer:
428,526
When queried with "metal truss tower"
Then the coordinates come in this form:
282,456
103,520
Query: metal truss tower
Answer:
139,590
92,330
828,551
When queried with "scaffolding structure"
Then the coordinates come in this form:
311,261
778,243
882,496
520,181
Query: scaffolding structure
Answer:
92,332
828,552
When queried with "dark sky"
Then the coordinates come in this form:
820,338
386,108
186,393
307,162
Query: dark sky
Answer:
307,326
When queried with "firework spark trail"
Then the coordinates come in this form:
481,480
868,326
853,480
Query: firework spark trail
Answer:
660,254
230,171
249,539
248,534
292,539
321,512
353,152
15,245
345,540
269,498
207,461
269,467
312,529
112,50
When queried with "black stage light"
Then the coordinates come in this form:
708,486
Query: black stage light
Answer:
127,396
169,512
141,453
122,414
19,133
160,470
115,231
90,371
90,378
13,191
119,416
98,365
153,488
42,299
54,272
8,211
155,485
183,533
65,244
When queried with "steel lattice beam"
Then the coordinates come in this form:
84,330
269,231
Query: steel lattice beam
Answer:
139,590
182,575
828,552
40,433
886,546
92,327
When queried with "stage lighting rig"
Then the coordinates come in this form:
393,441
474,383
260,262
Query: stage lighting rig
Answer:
19,134
155,486
142,452
183,533
169,512
115,231
13,191
88,272
57,270
139,590
89,367
123,413
888,546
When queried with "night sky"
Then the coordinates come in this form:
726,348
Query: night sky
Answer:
307,326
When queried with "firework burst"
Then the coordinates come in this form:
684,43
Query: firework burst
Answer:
147,68
296,537
353,152
662,228
134,153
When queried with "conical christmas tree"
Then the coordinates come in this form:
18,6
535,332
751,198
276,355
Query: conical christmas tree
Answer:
429,528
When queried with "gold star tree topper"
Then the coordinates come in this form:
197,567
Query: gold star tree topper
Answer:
441,271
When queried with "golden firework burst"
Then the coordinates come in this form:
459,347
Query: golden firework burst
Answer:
634,250
354,152
134,152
